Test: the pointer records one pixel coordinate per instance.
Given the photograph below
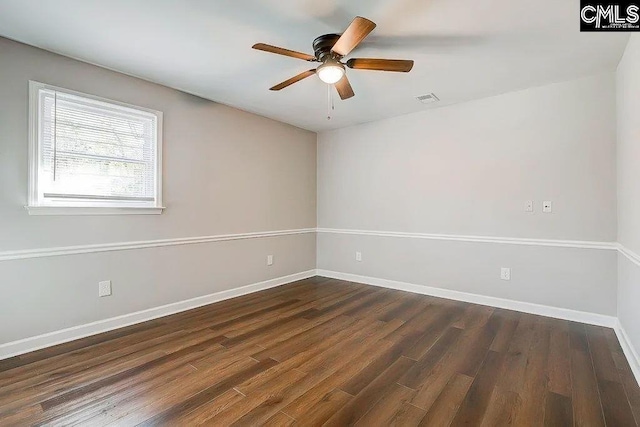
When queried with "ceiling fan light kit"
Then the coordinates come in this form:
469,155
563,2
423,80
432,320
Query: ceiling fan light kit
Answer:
330,49
331,71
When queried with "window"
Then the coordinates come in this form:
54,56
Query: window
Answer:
92,156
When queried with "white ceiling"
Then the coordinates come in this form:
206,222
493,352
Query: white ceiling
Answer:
463,49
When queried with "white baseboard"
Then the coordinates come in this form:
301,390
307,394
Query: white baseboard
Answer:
525,307
629,350
27,345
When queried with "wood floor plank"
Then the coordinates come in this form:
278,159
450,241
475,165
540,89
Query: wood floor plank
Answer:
317,408
85,368
425,365
262,406
152,364
475,316
504,336
560,359
629,383
280,419
511,377
205,413
203,397
389,407
108,407
476,400
502,408
558,411
358,382
369,396
465,357
35,395
534,388
477,352
587,407
446,406
10,363
432,332
325,351
158,382
143,402
399,308
615,405
603,364
305,338
337,354
263,401
312,405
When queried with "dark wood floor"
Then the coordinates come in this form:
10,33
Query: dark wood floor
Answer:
323,351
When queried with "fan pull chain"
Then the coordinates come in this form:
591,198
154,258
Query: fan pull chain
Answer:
328,102
330,105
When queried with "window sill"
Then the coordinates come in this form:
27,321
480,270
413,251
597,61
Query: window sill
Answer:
92,210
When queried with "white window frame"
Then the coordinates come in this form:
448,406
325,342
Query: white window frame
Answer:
91,207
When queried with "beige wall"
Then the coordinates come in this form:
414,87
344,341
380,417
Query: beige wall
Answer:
468,169
628,89
225,171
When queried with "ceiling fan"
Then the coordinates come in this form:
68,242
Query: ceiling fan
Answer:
330,49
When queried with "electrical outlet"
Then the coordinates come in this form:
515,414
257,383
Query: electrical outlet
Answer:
528,206
104,288
359,256
505,273
269,259
547,206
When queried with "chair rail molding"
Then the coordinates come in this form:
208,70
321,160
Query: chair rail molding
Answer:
583,244
631,256
122,246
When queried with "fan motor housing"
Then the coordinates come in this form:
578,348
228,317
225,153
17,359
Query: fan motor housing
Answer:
323,44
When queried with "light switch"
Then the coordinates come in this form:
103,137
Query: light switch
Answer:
547,206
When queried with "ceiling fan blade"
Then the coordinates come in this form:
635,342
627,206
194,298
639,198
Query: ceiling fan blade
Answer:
293,80
356,32
398,65
344,88
283,51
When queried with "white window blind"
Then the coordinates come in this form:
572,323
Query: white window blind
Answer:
94,153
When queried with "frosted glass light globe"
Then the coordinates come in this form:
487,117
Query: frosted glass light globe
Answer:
331,72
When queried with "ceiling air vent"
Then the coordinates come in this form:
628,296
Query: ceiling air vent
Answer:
429,98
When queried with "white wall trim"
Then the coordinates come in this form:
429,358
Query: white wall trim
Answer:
525,307
92,210
26,345
629,351
121,246
632,256
479,239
